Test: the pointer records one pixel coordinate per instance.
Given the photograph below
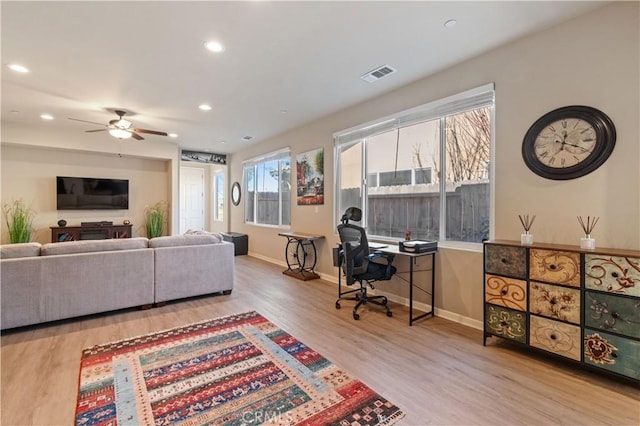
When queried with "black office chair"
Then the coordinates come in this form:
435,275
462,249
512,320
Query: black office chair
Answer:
356,263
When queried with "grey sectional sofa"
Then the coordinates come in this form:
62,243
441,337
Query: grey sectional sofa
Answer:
53,281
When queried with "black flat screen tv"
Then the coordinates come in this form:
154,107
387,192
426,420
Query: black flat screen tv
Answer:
82,193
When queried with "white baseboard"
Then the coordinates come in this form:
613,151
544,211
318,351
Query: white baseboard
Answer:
333,280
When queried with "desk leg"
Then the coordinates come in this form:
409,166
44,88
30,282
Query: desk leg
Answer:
411,261
433,290
433,284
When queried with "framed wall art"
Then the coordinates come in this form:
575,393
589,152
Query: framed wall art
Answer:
310,177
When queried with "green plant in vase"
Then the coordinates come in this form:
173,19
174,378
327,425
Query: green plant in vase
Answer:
19,220
155,219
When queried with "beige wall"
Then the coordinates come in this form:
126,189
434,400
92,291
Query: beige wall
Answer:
30,174
591,60
30,160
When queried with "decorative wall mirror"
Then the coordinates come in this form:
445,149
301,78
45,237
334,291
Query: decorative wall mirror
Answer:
235,193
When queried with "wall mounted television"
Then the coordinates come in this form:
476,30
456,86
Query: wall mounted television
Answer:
83,193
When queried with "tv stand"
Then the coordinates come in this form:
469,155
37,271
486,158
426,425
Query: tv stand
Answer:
96,232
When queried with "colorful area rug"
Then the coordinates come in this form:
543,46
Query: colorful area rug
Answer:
235,370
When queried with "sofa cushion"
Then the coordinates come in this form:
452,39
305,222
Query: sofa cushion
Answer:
13,251
183,240
200,232
88,246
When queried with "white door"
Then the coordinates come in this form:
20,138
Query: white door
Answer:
191,199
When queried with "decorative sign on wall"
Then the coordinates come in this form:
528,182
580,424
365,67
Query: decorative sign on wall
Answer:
310,177
204,157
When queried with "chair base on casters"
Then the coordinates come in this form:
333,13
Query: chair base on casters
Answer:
362,298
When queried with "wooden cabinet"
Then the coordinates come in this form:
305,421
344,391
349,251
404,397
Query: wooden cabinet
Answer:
579,304
101,232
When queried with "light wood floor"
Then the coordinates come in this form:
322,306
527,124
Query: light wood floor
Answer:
437,371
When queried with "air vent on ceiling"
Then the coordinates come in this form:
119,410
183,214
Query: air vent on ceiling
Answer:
247,138
377,74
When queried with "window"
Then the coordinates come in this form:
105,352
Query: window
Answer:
267,182
425,170
218,196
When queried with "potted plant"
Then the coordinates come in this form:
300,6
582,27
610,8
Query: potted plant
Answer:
19,219
155,219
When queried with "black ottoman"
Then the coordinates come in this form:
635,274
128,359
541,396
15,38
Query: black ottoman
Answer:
240,241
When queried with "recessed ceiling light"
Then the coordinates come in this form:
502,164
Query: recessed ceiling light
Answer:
450,23
173,135
46,116
205,107
19,68
214,46
284,111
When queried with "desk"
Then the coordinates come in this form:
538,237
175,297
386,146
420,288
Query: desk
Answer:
300,255
395,250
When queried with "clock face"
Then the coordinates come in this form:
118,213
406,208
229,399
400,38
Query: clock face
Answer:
565,143
568,142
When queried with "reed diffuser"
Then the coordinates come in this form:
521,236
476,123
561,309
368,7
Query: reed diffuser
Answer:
587,242
527,223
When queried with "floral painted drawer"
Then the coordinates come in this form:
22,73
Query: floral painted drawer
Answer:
552,301
507,292
615,274
613,353
505,260
554,336
616,314
552,266
506,323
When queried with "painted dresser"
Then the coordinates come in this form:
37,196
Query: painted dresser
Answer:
578,304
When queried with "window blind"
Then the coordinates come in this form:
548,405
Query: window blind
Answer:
467,100
275,155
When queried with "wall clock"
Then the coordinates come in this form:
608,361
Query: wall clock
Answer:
568,142
235,193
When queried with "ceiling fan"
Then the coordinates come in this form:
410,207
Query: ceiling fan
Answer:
121,128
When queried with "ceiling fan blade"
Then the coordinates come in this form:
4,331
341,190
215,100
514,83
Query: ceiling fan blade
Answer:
151,132
136,136
97,130
85,121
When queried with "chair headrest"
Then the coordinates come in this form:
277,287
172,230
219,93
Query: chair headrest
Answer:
352,213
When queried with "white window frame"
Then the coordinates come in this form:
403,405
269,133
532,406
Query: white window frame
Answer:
279,155
482,96
216,198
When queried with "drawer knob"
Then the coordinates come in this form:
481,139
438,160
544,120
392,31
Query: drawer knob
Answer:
615,275
553,267
503,323
615,315
504,291
503,260
614,355
553,337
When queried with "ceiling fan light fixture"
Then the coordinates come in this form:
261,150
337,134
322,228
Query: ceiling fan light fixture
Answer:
120,133
122,124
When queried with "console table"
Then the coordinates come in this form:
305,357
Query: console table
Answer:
300,254
98,232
